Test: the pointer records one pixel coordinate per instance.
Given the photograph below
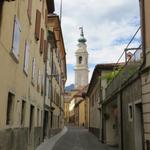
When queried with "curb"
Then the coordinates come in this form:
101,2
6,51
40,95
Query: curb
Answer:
50,143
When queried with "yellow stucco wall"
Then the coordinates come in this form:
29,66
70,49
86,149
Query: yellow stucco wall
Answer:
12,77
82,113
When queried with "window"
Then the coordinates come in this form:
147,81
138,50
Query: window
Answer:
37,25
46,17
16,38
33,70
45,50
31,123
80,60
130,112
10,101
26,57
42,42
23,112
43,8
38,81
29,10
38,115
42,85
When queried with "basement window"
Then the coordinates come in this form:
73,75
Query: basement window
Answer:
23,105
130,112
31,123
10,102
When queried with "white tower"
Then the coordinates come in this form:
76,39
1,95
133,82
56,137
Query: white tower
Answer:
81,67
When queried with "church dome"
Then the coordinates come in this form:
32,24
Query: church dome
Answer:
82,39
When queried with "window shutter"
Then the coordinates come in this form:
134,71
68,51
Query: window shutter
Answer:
43,8
45,50
42,41
29,10
46,17
16,37
37,25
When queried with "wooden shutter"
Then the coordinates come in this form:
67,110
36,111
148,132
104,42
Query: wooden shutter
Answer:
43,8
29,10
46,17
42,41
37,25
45,50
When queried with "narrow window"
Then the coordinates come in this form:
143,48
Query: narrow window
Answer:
10,101
43,8
16,38
31,123
37,25
26,57
23,113
38,81
80,60
130,112
42,41
38,112
42,84
45,50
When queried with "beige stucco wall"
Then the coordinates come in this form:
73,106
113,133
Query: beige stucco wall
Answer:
12,76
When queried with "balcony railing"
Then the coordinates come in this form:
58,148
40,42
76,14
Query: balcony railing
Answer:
133,60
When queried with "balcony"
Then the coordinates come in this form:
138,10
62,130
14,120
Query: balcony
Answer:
133,59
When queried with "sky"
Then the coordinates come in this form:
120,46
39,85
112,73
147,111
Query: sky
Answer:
108,27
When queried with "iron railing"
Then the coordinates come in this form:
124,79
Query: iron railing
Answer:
132,62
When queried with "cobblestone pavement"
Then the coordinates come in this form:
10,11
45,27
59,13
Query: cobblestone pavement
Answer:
79,139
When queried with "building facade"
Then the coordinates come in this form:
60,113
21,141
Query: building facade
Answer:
96,96
145,75
25,49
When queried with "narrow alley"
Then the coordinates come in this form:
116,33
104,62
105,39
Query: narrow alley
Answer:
75,139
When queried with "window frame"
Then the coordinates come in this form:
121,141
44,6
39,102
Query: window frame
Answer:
16,40
130,112
23,113
10,109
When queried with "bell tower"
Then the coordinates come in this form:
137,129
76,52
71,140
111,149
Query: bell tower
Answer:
81,67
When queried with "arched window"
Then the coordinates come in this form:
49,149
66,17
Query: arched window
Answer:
80,59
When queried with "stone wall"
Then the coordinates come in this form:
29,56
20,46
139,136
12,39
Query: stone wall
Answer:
18,139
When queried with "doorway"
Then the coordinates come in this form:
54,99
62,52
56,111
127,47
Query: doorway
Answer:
138,126
45,130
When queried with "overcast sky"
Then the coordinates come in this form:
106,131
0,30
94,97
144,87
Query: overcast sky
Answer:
108,27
